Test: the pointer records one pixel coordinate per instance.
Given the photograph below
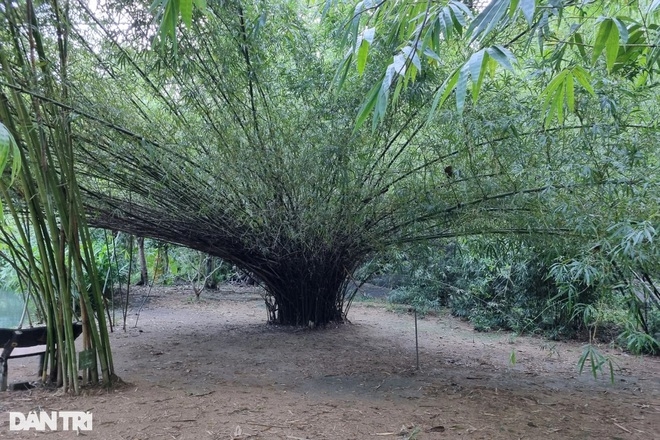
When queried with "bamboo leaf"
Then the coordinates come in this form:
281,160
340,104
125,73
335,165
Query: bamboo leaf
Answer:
6,144
443,93
623,30
528,7
170,15
551,96
389,76
435,34
459,14
594,364
654,6
636,46
443,26
399,64
503,56
342,70
578,41
448,22
654,56
584,78
583,359
458,7
397,92
513,8
602,37
559,104
491,66
411,54
16,163
9,147
156,5
461,89
429,53
185,7
380,108
354,27
612,47
488,19
570,93
367,106
476,66
368,35
363,51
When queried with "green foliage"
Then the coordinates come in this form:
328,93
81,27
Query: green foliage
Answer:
233,146
620,267
510,289
597,363
560,92
9,150
639,342
418,297
169,11
166,264
110,260
496,284
567,38
505,284
45,237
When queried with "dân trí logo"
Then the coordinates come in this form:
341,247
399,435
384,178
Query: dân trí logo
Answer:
53,421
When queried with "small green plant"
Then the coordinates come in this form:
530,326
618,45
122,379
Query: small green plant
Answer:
413,434
551,348
597,362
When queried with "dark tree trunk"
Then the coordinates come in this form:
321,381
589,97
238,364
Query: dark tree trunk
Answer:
310,307
211,281
144,275
165,259
305,293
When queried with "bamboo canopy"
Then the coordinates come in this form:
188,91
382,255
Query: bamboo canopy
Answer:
233,145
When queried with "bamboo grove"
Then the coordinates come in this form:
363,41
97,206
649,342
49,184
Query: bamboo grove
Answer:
48,243
237,142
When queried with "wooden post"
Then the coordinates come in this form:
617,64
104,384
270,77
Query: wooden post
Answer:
416,339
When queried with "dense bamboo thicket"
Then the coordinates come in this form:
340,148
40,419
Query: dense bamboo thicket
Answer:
44,231
231,143
257,163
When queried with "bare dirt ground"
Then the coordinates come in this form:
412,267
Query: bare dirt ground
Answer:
213,369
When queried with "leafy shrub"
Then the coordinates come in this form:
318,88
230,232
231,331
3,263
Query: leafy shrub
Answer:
509,285
423,300
639,342
495,284
515,295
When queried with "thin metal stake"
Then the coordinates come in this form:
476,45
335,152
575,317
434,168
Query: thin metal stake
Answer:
416,340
